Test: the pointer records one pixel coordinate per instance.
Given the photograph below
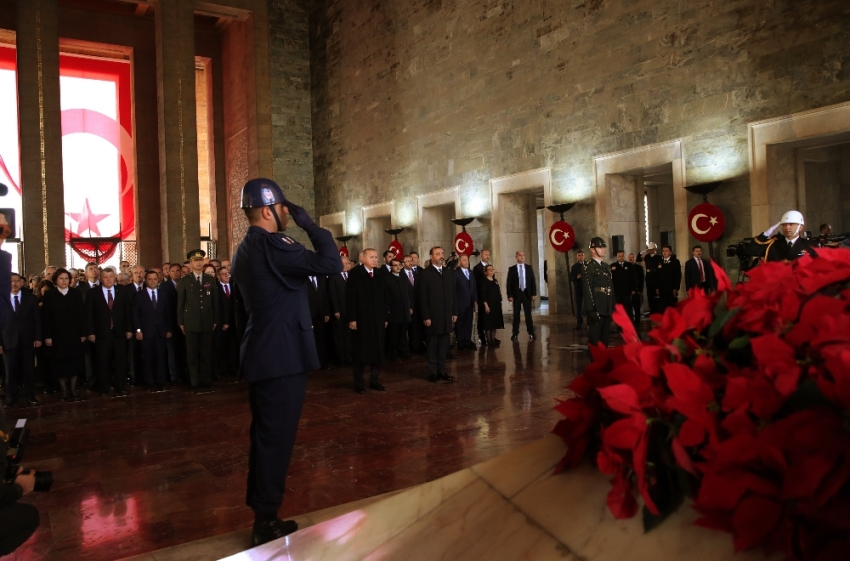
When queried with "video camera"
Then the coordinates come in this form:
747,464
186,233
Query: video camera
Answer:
743,250
15,454
7,230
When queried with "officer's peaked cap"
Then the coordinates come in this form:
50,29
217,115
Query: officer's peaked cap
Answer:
597,242
261,192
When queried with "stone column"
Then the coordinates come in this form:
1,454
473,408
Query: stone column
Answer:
178,151
40,134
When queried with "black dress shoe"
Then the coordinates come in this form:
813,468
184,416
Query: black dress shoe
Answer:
447,377
497,341
270,530
432,379
359,389
32,402
378,387
120,393
513,337
531,336
14,403
451,356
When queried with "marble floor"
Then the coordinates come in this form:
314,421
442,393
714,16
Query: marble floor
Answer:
150,471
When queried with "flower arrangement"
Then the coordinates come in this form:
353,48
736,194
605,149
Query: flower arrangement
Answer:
739,401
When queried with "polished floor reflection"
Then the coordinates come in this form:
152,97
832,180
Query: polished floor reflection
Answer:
154,470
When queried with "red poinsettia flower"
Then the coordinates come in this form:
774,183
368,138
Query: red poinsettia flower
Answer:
778,361
832,265
694,399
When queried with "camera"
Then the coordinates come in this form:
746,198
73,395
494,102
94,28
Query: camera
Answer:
8,229
747,257
14,456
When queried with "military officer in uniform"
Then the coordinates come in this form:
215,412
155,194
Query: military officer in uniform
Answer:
197,313
598,293
782,241
270,272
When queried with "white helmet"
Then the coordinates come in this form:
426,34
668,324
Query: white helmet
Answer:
651,245
792,217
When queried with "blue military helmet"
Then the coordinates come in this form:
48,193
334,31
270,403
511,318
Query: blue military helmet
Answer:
261,192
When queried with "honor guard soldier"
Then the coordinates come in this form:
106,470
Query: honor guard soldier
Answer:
197,313
598,293
270,273
782,241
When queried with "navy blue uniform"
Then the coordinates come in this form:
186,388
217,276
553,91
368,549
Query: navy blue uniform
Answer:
270,272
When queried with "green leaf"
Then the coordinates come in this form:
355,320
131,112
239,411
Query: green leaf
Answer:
740,342
807,396
720,320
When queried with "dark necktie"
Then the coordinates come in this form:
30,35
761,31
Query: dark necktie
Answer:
371,274
410,276
153,298
109,302
790,244
17,303
226,291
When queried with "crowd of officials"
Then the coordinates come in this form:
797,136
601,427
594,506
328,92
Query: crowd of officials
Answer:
103,329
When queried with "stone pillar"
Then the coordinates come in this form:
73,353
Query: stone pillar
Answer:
40,134
178,150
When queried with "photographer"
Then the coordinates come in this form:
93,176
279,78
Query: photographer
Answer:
18,521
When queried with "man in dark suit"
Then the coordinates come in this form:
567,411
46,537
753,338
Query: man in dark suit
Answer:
652,262
90,280
699,272
466,291
478,272
623,279
134,346
438,308
338,321
320,315
415,331
669,275
386,266
154,324
177,343
522,290
225,339
197,314
270,272
21,335
110,324
400,310
637,296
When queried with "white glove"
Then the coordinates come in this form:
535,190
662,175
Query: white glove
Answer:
772,230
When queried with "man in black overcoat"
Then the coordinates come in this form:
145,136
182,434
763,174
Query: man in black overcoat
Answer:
478,272
652,262
225,339
21,335
438,307
398,301
368,314
338,321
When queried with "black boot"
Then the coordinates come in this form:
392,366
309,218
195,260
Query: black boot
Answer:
63,389
269,529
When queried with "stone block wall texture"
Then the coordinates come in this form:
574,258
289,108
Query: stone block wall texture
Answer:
292,135
410,97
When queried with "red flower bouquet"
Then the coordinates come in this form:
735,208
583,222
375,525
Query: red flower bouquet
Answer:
740,401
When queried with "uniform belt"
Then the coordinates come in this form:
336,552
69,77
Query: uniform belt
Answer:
602,289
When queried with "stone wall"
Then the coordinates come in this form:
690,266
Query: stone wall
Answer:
292,135
414,97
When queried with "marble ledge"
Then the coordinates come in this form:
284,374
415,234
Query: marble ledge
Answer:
508,508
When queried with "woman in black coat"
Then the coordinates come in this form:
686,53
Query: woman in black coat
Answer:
63,317
490,306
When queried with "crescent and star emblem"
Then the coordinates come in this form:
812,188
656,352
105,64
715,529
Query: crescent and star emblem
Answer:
712,221
460,250
554,235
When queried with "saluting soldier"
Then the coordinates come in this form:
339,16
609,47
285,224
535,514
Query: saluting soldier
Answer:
598,292
197,313
270,272
782,241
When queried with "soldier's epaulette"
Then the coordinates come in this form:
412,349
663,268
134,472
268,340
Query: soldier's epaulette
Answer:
768,241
